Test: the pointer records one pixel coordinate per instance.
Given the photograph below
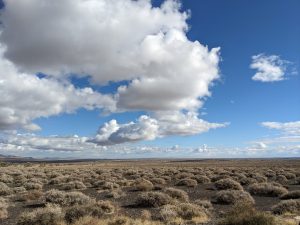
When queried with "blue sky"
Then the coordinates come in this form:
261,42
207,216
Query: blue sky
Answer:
238,103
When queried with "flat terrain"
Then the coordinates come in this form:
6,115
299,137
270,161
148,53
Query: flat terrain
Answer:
130,187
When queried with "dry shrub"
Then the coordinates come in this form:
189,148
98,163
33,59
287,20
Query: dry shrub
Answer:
232,197
33,186
118,193
281,179
50,215
29,196
259,178
287,206
19,189
219,177
88,220
66,198
153,199
246,214
73,185
291,195
187,182
267,189
225,184
3,208
183,211
143,185
205,204
184,175
4,189
98,209
177,194
158,181
202,179
106,185
247,181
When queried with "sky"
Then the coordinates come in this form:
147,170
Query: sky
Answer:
144,79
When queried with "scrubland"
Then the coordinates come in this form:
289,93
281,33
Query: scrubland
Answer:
221,192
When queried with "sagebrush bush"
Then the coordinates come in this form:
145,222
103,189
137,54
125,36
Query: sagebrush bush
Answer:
73,185
205,204
143,185
3,208
33,186
232,197
28,196
184,211
97,209
202,179
228,183
187,182
66,198
177,194
291,195
153,199
117,193
267,189
287,206
246,214
4,189
50,215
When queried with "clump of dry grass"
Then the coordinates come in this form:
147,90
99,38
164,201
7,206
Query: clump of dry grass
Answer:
158,180
50,215
202,179
177,194
182,212
287,206
98,209
33,186
88,220
267,189
4,189
143,185
246,214
291,195
73,185
227,183
29,196
187,182
232,197
115,194
153,199
3,208
66,198
205,204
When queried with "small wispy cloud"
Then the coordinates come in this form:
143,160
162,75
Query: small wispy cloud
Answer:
269,68
288,128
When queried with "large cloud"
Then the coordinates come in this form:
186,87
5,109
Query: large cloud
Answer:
147,128
167,75
113,41
25,97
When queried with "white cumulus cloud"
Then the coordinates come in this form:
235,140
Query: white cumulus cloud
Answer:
269,68
25,97
167,75
148,128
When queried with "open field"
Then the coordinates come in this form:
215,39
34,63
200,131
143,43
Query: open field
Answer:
256,191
